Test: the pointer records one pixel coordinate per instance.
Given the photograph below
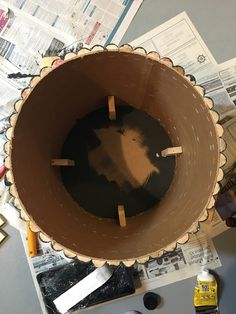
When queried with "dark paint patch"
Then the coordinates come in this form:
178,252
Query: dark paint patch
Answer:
92,190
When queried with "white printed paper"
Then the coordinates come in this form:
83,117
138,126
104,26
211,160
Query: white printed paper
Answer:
217,226
89,22
179,40
227,73
186,261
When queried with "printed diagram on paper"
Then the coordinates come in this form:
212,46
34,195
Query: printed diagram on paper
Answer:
179,40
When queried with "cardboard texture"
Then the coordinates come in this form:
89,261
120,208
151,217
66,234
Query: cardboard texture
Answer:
79,86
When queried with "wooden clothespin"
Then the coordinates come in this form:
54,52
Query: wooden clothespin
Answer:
171,151
121,214
111,107
62,162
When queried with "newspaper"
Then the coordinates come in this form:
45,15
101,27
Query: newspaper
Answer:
89,22
186,261
227,73
217,226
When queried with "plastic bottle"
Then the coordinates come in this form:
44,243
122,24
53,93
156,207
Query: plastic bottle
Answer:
205,292
204,275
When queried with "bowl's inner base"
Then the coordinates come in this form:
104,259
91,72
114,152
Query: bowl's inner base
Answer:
116,162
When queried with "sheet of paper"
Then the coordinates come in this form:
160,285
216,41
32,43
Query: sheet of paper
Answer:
227,73
89,22
218,226
186,261
179,40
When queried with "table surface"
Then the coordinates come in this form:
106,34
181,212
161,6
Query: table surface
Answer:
216,23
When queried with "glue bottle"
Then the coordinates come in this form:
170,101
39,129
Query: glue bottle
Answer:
205,292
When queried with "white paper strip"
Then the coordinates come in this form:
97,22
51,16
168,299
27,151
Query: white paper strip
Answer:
82,289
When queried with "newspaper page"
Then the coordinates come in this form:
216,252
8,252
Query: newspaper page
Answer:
22,43
89,22
179,40
217,226
227,72
226,201
186,261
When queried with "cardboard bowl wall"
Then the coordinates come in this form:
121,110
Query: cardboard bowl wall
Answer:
61,95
